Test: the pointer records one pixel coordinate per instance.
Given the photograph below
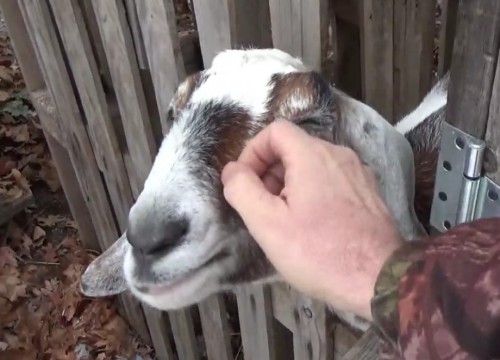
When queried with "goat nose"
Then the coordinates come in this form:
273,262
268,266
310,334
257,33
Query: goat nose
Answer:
152,240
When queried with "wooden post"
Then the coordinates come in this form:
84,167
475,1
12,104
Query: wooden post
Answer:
300,28
449,10
219,28
161,41
377,55
474,62
413,53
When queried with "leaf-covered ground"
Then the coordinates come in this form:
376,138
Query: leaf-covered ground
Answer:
43,315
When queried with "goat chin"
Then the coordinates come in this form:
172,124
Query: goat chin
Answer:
212,115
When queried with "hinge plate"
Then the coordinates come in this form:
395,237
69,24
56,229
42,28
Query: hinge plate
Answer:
461,193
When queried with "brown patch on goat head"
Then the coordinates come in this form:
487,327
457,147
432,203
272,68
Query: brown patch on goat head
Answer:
234,132
183,94
307,100
292,95
425,174
295,95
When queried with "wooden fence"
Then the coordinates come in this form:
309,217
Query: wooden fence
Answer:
101,74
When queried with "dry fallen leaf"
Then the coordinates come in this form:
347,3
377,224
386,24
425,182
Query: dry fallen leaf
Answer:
6,166
6,74
21,181
38,234
49,175
50,220
4,95
17,133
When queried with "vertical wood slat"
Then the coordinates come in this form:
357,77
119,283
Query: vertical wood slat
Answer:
181,323
413,52
43,37
134,23
348,62
312,340
256,316
367,348
214,27
86,75
492,136
449,10
224,24
377,55
250,23
300,27
399,61
473,67
96,42
215,328
124,70
160,332
161,41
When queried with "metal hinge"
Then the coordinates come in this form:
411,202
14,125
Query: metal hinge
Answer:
461,192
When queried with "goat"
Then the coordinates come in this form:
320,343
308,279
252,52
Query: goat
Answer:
423,129
183,241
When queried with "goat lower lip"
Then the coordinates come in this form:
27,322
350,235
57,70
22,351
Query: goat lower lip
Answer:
163,288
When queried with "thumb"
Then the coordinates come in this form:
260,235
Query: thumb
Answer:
248,195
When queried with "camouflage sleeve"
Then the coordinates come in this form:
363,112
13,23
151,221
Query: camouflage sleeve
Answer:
439,298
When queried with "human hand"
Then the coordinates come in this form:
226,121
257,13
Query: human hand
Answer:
315,210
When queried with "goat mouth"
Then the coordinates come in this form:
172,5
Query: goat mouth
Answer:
170,285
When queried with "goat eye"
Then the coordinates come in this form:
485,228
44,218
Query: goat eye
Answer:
308,122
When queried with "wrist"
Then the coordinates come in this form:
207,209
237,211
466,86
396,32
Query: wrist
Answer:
373,277
384,305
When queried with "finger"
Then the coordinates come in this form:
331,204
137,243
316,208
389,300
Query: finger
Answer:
274,179
280,142
246,193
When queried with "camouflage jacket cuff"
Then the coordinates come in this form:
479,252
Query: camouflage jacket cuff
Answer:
384,304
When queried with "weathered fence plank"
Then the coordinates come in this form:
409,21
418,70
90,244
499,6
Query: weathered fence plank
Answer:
124,70
377,55
160,332
300,27
449,10
45,109
42,33
255,314
181,323
473,67
161,41
135,28
220,29
413,53
250,23
102,134
214,27
282,305
215,328
311,339
367,348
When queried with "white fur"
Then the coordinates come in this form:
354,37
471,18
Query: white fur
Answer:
432,102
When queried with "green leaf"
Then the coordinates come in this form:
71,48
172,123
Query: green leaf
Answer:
16,108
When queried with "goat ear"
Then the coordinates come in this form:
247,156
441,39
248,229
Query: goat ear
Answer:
104,276
390,156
